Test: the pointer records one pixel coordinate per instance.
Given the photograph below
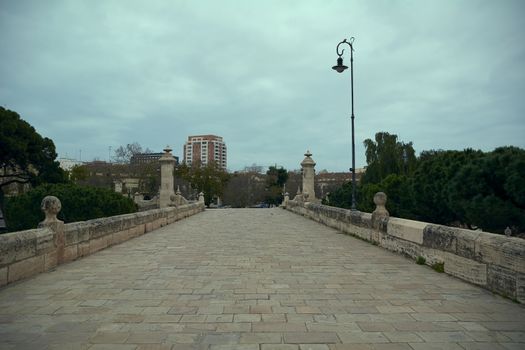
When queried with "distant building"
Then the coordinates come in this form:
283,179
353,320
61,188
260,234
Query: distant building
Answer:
145,158
68,163
204,150
326,182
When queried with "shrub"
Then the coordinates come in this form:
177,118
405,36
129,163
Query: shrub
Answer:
439,267
421,260
79,203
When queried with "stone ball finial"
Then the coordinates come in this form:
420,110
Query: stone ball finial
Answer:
508,232
380,199
167,149
51,206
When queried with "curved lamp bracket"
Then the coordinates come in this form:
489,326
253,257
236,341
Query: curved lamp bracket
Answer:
348,42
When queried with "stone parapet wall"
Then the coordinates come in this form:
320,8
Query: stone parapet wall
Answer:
492,261
27,253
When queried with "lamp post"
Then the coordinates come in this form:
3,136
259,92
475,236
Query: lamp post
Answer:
340,68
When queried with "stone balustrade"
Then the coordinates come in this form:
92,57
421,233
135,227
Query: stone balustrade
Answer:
26,253
492,261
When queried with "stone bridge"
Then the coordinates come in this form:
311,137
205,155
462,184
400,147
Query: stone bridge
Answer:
252,279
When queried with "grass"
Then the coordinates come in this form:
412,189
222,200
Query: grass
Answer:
439,267
420,260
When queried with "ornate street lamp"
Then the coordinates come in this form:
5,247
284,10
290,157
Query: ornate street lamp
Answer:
340,68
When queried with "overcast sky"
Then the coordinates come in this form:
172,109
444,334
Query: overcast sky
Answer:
94,74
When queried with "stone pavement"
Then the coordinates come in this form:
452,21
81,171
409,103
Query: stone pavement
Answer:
252,279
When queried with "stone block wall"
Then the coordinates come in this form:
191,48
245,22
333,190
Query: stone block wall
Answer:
492,261
27,253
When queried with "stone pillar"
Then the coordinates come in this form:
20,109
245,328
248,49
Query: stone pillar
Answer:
286,199
201,197
167,165
51,206
308,166
380,212
118,186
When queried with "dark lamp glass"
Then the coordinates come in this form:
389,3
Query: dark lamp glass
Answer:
340,67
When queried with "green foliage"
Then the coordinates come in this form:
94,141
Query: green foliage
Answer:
78,173
25,156
471,188
385,156
439,267
389,164
430,180
460,188
342,197
489,191
209,179
275,180
421,260
79,203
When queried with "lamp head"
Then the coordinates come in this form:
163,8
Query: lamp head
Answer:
340,67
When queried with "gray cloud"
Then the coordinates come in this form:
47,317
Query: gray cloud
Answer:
91,75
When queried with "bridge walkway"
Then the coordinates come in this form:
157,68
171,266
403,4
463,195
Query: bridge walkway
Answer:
252,279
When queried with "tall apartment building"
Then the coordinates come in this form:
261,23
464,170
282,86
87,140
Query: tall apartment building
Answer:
205,149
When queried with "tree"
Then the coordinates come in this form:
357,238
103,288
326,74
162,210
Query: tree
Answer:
429,183
386,155
389,165
275,180
25,156
123,154
245,189
79,203
209,179
78,173
489,191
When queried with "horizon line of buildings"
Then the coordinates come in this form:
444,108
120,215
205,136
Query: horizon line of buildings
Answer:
198,149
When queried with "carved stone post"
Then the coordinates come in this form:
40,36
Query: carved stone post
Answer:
308,166
380,212
51,206
201,197
286,199
167,165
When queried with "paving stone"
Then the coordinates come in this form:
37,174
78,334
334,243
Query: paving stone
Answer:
109,337
113,347
482,346
402,337
444,337
313,347
279,347
362,337
392,346
252,279
235,347
311,338
247,318
436,346
154,347
267,338
375,326
146,337
227,338
278,327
